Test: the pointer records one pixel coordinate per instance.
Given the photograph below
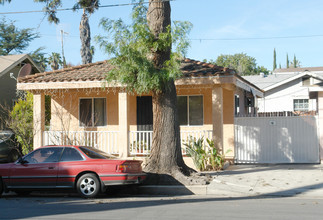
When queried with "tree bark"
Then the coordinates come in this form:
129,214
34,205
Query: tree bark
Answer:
166,155
85,36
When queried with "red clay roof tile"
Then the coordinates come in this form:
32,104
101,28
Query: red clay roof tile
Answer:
96,72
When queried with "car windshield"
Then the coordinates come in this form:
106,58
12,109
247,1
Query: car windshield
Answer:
95,153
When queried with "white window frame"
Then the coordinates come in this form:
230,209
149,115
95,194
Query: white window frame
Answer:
301,109
188,110
92,116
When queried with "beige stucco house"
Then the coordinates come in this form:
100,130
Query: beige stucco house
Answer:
86,110
10,67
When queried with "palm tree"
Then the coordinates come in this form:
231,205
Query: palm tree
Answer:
55,61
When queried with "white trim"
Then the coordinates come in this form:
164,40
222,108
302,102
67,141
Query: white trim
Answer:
293,78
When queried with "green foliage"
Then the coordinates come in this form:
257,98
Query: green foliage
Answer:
205,157
241,62
13,39
55,61
287,61
295,63
39,58
195,149
274,64
262,69
133,45
21,122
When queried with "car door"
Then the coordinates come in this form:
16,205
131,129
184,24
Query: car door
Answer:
70,165
36,170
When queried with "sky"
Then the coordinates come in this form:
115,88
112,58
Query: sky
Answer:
254,27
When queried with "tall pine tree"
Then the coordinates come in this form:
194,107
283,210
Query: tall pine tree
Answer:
274,64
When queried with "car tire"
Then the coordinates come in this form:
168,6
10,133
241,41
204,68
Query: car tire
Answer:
22,192
88,185
1,186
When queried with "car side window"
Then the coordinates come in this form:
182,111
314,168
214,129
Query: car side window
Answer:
44,155
71,154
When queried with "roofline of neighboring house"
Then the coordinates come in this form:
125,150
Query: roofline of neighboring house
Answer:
16,62
291,79
299,69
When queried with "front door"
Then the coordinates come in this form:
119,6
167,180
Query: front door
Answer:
144,113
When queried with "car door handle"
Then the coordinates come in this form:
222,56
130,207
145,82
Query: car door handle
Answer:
51,168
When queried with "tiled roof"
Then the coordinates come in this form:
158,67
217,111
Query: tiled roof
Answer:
300,69
96,72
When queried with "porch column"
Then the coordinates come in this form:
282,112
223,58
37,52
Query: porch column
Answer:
38,119
123,125
320,120
228,123
217,116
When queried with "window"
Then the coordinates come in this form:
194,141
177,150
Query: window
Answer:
190,109
70,154
93,112
44,155
301,105
236,104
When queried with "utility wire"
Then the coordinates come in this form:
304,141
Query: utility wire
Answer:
72,9
256,38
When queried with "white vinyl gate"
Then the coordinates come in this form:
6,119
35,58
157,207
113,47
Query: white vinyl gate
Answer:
276,140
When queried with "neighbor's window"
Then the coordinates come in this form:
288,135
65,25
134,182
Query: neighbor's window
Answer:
93,112
190,110
301,105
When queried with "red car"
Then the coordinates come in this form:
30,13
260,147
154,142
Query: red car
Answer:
86,169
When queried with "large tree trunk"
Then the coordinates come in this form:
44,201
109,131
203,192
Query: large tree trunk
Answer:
166,155
85,36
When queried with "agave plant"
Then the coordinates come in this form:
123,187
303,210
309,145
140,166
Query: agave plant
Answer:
195,149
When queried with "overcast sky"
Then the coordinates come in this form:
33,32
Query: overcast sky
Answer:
254,27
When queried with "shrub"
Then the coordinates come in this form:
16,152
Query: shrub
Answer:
205,157
21,122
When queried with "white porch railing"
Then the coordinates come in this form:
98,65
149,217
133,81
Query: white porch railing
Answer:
104,140
141,141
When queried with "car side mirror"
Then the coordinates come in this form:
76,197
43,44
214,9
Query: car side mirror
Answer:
21,160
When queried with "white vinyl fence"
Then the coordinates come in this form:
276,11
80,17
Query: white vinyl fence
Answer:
276,140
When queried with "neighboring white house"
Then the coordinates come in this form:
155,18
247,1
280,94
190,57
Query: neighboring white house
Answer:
288,90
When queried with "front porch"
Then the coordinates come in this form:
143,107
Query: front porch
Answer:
139,144
86,110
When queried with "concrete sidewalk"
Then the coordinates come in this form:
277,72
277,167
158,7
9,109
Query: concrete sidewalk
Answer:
255,180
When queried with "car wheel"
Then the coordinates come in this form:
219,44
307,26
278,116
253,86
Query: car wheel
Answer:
88,185
1,186
13,156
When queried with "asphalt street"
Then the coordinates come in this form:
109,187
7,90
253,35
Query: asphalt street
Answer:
159,207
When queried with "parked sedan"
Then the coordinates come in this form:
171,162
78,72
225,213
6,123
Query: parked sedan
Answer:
86,169
9,151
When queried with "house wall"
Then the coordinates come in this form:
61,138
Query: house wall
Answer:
7,92
65,110
207,105
281,98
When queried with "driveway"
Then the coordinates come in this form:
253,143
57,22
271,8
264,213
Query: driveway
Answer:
268,180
